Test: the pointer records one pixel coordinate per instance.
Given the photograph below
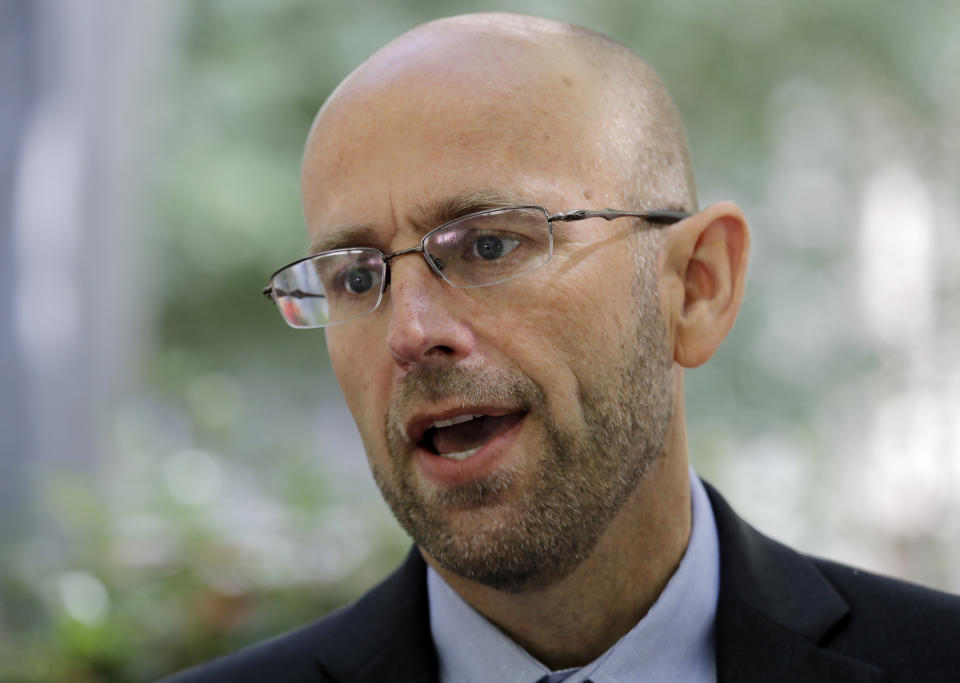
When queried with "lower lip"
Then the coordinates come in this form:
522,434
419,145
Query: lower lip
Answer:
449,472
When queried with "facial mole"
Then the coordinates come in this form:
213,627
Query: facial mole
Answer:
567,81
587,193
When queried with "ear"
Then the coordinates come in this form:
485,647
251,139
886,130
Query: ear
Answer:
705,269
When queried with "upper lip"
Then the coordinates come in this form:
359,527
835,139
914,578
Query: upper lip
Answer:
418,424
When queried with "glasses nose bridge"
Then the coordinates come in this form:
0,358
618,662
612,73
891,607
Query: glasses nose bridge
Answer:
387,258
419,249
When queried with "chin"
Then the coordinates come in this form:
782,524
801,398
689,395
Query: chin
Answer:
492,562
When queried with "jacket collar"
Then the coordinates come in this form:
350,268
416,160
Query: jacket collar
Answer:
776,611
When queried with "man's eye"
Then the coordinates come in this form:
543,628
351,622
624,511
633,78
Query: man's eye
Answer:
358,280
490,247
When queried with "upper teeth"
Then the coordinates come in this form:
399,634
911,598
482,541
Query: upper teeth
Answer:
454,421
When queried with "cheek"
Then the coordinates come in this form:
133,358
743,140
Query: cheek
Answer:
579,329
359,376
584,316
552,340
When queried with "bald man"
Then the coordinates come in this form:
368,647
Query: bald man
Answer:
512,273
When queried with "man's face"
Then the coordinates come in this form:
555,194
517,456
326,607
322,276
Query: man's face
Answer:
506,426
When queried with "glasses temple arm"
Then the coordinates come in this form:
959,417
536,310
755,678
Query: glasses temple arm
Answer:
295,294
661,217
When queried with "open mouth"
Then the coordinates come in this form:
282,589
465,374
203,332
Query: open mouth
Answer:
460,437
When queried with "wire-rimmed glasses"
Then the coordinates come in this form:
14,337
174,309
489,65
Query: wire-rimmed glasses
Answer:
477,250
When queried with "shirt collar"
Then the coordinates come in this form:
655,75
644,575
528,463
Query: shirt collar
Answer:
674,641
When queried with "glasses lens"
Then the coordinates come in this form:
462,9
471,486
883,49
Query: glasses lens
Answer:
330,288
491,247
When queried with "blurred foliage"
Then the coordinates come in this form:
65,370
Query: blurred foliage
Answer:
148,588
231,506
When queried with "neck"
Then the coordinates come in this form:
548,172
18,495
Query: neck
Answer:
576,619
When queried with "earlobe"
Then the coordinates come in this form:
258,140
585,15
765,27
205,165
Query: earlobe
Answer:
709,257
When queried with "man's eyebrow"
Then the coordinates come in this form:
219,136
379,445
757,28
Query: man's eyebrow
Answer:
459,205
344,237
428,216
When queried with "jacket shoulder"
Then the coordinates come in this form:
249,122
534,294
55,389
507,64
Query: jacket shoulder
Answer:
350,644
289,657
906,627
783,615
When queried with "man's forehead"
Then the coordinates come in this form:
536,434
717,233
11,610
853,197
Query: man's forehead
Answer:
488,119
416,167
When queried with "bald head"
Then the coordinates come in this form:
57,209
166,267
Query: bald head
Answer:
555,84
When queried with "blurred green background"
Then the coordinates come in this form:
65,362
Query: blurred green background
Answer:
179,475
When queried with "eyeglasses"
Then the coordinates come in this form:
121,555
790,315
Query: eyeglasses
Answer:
477,250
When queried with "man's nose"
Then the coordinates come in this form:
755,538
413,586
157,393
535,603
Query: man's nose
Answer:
425,325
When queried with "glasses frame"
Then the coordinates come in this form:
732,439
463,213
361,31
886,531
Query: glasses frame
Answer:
659,218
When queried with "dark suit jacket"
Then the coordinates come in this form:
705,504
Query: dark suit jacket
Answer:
781,617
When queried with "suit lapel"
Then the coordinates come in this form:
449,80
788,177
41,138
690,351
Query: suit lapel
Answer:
776,611
386,635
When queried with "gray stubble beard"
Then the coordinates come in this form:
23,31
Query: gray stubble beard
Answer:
583,479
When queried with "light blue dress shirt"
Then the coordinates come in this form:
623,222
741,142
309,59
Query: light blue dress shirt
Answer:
673,642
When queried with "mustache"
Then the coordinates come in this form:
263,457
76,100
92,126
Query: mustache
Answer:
466,386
